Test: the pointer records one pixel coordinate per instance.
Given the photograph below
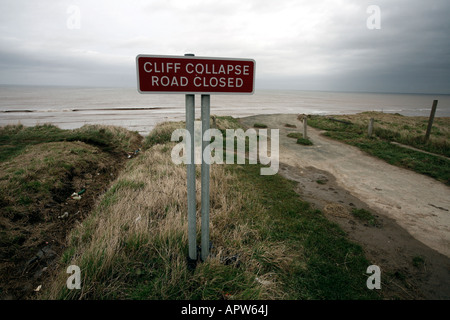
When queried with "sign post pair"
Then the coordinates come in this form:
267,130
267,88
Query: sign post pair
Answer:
192,75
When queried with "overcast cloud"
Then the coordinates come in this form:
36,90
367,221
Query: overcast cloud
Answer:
297,44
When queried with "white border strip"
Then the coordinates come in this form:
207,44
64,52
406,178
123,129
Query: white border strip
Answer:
193,57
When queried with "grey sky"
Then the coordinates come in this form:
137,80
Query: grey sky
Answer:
297,44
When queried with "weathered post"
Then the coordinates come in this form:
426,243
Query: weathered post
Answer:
370,130
205,112
191,198
430,121
305,124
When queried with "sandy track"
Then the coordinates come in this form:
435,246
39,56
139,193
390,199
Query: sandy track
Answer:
411,210
416,202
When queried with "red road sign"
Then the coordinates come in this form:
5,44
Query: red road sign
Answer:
191,75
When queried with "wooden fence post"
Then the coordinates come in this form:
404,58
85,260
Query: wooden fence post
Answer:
370,127
304,128
430,121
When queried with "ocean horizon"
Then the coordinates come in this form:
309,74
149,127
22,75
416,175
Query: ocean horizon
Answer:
72,107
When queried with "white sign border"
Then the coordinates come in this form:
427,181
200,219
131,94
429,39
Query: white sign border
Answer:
194,57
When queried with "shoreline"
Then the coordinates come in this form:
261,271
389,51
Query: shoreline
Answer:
127,108
129,121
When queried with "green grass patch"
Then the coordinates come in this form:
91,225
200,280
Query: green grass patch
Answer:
43,160
259,125
295,135
324,265
418,261
40,167
300,139
324,123
305,142
15,138
162,134
365,215
42,172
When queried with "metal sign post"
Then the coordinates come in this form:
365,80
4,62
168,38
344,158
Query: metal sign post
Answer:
191,191
196,75
205,176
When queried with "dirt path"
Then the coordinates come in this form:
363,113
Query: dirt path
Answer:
413,217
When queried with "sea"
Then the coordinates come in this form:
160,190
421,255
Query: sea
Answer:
73,107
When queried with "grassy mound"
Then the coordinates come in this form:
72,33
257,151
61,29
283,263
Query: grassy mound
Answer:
40,168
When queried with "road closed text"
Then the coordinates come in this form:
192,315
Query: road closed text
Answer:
157,71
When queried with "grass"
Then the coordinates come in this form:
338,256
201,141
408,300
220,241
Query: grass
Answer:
365,215
305,142
37,161
259,125
300,139
318,250
418,261
395,128
147,257
295,135
40,172
14,138
162,134
267,243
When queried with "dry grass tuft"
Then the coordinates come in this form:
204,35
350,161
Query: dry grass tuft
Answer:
162,133
337,210
406,130
140,223
122,138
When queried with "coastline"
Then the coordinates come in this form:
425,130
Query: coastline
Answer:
126,108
